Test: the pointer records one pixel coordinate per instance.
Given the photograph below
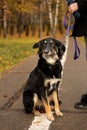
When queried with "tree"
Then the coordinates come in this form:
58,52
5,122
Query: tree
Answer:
32,17
53,17
5,15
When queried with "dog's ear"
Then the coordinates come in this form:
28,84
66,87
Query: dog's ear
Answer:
61,47
36,45
61,50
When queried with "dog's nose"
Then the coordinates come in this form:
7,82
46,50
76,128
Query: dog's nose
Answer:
46,51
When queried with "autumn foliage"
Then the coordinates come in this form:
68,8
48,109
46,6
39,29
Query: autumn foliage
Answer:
31,17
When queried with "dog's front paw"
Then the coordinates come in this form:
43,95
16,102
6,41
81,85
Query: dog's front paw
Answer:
59,113
50,117
37,113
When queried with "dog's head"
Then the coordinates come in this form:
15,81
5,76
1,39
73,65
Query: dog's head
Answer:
50,49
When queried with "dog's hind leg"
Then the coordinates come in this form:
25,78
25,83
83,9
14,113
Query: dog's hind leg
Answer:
28,101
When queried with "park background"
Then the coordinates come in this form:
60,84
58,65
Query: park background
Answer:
24,22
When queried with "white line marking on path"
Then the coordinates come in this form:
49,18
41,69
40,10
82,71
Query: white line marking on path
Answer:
41,122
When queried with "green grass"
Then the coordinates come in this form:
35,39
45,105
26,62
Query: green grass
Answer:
14,50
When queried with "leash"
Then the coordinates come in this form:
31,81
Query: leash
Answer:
68,28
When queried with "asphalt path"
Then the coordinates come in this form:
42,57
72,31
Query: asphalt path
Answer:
74,84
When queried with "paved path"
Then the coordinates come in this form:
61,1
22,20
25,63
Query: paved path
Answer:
12,116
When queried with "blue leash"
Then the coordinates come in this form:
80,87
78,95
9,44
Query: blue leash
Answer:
76,49
68,28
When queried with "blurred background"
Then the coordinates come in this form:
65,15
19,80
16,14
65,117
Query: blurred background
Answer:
23,22
32,17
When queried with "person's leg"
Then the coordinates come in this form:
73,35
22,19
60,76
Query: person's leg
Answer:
85,37
83,101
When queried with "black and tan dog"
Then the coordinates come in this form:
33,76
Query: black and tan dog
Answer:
42,85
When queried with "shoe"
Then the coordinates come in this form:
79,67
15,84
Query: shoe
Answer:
80,105
83,102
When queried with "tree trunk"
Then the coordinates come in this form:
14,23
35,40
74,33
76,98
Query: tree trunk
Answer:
5,12
5,28
41,19
56,18
49,2
53,19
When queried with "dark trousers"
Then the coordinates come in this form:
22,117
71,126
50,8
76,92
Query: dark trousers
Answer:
85,46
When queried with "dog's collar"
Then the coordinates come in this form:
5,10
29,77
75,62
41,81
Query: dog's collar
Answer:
52,64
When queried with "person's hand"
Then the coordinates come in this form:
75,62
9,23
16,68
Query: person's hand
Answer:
73,7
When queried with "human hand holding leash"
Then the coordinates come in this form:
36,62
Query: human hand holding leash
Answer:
73,7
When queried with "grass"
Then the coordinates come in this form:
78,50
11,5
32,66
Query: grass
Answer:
14,50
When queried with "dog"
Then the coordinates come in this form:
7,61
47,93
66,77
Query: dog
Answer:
43,82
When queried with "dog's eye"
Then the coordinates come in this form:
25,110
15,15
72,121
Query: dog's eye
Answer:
51,41
45,41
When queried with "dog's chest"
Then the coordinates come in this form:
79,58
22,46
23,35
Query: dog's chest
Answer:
51,84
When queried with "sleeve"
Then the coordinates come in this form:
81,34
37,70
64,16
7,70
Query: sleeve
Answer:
82,4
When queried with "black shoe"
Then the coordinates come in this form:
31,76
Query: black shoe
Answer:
83,102
80,105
